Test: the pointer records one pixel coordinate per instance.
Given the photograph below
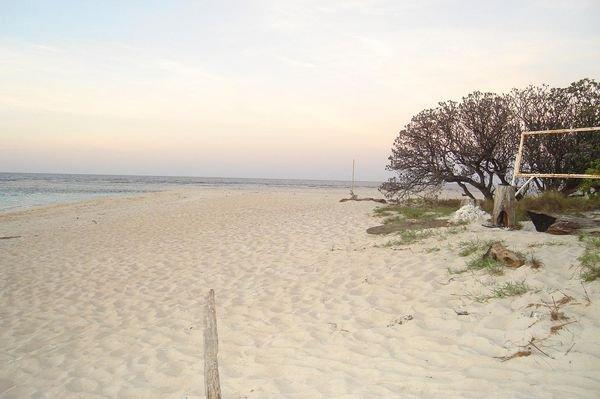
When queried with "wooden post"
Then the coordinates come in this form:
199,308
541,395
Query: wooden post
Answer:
352,195
505,205
211,349
353,175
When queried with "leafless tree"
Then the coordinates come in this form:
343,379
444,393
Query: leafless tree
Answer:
468,143
473,142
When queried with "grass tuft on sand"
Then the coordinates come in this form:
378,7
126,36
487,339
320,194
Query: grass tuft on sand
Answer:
590,259
490,265
408,237
510,288
419,209
534,262
414,214
473,246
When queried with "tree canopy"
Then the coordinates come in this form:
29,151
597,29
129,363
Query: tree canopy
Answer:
473,142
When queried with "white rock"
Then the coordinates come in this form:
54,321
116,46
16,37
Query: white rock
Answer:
468,213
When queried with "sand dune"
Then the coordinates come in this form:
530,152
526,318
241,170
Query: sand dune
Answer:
106,299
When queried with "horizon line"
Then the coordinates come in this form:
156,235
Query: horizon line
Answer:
187,176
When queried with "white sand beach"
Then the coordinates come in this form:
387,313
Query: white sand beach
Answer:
105,299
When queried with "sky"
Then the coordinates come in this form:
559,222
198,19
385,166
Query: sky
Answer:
279,89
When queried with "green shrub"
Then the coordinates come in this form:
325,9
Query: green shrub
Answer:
510,288
590,259
591,186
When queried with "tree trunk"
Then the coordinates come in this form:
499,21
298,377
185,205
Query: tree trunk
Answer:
505,206
487,194
465,190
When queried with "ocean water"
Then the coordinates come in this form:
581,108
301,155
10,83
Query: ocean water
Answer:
26,190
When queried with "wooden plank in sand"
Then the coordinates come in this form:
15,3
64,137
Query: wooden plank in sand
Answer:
211,349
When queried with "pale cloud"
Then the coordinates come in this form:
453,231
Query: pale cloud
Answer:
296,63
182,71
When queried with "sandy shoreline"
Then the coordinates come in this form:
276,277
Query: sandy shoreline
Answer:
105,299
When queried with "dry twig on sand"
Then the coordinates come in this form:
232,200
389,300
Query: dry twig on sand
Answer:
532,342
522,353
555,329
587,296
554,307
555,312
569,350
9,237
535,263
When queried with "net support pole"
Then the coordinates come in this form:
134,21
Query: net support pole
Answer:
524,186
518,161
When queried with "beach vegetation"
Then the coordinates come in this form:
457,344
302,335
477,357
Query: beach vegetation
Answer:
408,237
448,143
591,187
541,108
468,248
534,262
391,220
510,288
491,266
472,142
551,202
590,259
414,214
420,208
456,229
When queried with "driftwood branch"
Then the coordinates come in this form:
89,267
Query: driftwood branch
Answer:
211,349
